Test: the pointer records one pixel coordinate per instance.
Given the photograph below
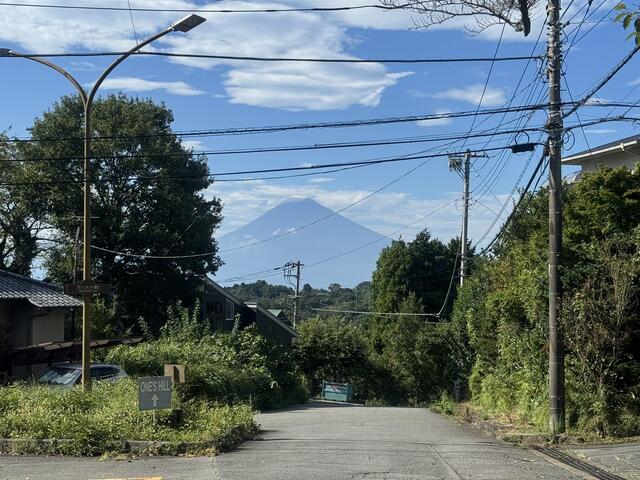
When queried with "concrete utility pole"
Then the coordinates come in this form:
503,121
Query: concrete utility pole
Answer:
184,25
462,164
288,273
555,130
295,304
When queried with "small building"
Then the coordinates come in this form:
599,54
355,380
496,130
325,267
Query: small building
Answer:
620,153
31,313
222,309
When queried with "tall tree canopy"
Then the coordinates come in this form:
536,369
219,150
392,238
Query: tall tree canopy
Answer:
422,267
139,203
20,221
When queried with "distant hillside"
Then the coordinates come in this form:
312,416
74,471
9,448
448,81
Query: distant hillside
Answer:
356,247
278,297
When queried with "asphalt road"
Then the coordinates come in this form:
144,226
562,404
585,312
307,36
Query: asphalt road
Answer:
322,441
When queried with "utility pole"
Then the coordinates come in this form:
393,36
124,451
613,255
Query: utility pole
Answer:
462,165
288,273
295,303
555,130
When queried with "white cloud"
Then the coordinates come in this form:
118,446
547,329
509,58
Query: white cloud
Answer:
436,122
196,145
600,131
304,87
294,86
133,84
634,82
321,180
472,94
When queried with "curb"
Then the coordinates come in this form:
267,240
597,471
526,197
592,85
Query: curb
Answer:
499,431
14,446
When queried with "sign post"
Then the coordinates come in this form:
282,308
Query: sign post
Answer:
87,287
154,393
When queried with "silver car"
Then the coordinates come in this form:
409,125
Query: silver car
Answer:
70,374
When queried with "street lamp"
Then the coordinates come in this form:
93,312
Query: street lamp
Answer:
184,25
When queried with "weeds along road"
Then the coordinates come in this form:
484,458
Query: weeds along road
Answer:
324,441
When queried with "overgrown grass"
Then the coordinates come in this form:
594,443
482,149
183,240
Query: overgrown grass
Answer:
221,367
444,405
99,421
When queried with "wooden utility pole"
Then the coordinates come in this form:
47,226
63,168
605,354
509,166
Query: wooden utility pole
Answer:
555,130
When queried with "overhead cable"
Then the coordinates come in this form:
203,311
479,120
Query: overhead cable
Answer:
208,10
249,58
309,126
378,314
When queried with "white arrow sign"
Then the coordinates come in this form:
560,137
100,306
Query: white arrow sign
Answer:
154,393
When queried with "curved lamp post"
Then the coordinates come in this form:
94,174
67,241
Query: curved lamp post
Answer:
184,26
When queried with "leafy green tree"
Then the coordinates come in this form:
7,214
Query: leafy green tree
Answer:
20,222
330,349
629,18
148,197
423,266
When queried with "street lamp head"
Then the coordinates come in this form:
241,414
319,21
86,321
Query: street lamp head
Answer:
188,23
5,52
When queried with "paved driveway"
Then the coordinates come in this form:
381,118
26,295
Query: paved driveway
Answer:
332,441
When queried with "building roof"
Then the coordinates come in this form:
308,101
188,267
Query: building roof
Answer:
53,352
617,145
257,308
40,294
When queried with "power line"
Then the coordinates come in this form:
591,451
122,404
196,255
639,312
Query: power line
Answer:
590,93
281,149
515,210
207,10
383,314
309,126
577,105
244,58
348,165
202,178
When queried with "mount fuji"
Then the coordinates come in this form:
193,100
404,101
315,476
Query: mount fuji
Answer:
333,248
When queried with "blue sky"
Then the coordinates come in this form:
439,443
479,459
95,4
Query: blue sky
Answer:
204,94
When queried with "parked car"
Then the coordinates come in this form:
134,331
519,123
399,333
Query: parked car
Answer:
69,374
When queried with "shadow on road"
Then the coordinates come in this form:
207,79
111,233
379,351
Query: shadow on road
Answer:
314,405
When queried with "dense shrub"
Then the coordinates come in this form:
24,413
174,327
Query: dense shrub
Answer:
505,310
98,421
227,368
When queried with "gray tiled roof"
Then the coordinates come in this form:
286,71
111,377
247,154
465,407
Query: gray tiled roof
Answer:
40,294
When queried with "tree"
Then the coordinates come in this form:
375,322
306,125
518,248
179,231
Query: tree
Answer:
330,349
629,18
485,13
504,309
20,220
140,204
423,267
